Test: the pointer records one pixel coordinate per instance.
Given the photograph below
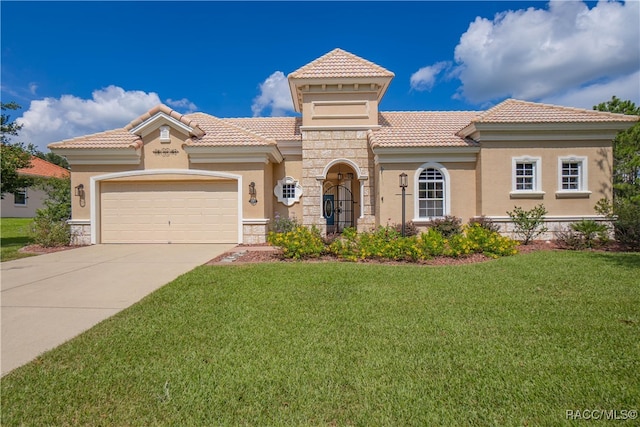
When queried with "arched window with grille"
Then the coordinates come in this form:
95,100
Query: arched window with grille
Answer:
432,198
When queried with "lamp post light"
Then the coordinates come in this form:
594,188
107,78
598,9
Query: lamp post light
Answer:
403,184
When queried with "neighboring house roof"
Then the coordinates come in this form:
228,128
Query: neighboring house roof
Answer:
44,169
340,63
422,128
516,111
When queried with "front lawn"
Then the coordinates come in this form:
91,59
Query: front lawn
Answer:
13,236
516,341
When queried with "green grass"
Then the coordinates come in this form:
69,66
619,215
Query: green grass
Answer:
515,341
13,236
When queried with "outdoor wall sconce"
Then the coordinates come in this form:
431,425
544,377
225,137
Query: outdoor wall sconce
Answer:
404,183
252,194
79,190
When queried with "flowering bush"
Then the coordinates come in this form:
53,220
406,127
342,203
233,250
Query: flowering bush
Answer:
301,242
488,242
386,243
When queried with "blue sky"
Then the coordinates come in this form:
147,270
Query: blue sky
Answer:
84,67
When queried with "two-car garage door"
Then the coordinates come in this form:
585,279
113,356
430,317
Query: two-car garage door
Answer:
169,212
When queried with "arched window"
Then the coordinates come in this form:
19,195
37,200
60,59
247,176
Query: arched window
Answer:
432,193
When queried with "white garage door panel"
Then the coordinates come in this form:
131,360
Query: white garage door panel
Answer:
163,212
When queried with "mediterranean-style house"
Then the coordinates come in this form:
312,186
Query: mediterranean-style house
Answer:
25,202
182,178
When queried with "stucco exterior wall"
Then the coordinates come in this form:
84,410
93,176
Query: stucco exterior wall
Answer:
462,190
292,167
35,201
495,182
347,108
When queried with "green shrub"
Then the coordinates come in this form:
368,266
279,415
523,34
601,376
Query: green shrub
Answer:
447,226
431,244
485,222
625,216
410,229
284,225
488,242
48,232
591,232
299,243
528,224
50,227
346,246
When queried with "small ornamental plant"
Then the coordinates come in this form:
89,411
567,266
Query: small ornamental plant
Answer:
528,224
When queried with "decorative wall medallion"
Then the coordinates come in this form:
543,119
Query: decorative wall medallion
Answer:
165,152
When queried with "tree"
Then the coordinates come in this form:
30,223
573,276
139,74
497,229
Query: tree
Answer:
12,156
626,152
49,156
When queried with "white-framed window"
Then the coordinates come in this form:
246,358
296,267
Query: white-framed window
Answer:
165,135
288,191
432,195
572,175
526,176
20,197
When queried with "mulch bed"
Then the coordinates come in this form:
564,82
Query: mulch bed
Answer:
37,249
246,254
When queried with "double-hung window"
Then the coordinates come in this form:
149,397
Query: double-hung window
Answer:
526,177
572,177
431,193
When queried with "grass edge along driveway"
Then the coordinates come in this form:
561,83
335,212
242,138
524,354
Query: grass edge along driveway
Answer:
516,341
14,234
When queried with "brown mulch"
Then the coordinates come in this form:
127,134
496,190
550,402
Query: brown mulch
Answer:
247,254
37,249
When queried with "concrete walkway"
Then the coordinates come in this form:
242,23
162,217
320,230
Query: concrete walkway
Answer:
49,299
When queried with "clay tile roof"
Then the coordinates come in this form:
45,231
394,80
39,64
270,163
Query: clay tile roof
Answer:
277,128
340,63
219,132
422,129
44,169
516,111
117,138
161,108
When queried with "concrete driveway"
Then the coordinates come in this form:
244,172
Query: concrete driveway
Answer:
49,299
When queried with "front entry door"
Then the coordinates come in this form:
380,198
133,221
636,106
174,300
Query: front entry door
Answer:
338,208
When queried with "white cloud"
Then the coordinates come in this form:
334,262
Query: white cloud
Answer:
54,119
274,95
183,104
588,96
566,51
425,77
33,87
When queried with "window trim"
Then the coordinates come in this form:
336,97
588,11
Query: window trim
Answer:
288,201
536,192
583,189
447,191
26,197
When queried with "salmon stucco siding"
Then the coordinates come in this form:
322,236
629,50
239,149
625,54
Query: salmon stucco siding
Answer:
169,177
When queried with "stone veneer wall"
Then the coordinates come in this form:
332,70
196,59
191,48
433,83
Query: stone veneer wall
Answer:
254,233
319,148
80,233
